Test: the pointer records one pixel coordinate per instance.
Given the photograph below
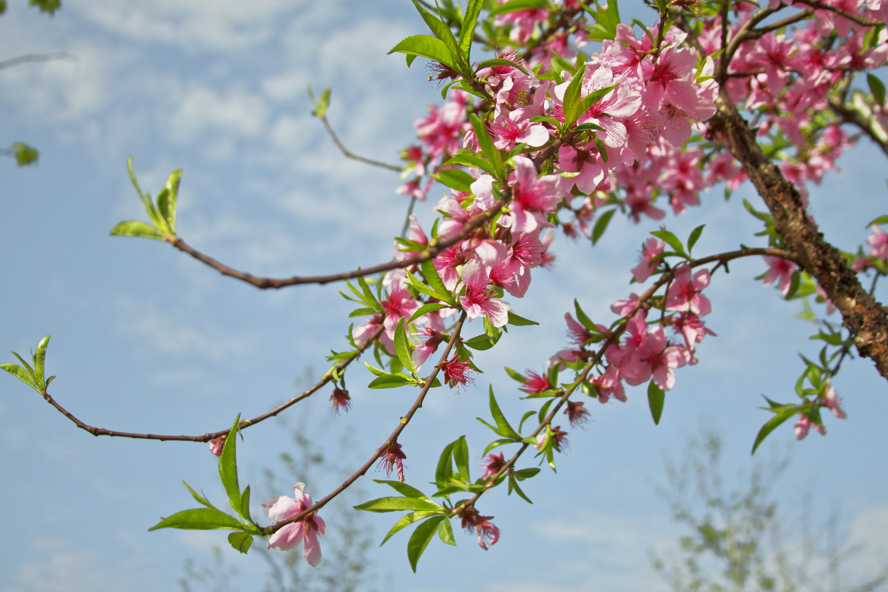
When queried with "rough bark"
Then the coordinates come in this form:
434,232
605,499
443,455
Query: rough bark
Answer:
864,317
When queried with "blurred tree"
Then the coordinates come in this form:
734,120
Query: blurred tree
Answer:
738,539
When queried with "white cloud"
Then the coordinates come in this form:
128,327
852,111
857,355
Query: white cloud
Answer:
230,113
196,24
61,566
173,335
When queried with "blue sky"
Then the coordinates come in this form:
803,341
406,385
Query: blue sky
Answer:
146,339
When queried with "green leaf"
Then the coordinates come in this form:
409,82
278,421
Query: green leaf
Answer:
461,458
407,521
200,499
656,397
166,200
520,321
456,179
39,360
671,240
513,486
435,282
200,519
445,533
442,32
772,424
445,467
591,99
482,342
136,228
601,225
420,539
24,154
427,308
475,161
21,374
878,221
502,62
395,504
240,541
320,106
584,320
505,430
402,347
694,236
228,467
244,509
390,381
486,143
404,489
877,87
571,101
467,31
516,5
426,46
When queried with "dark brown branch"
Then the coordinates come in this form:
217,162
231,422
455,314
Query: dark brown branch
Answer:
389,441
264,283
326,379
861,313
352,155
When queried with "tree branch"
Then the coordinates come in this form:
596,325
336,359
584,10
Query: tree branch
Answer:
861,313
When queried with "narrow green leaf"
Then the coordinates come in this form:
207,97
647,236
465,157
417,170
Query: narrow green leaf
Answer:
442,32
420,539
481,342
513,486
656,397
21,374
601,225
390,381
132,176
407,521
200,499
694,236
402,347
571,101
502,62
771,425
244,508
486,143
26,365
671,240
461,458
426,46
445,466
200,519
456,179
496,443
877,87
467,31
592,98
166,200
136,228
427,308
395,504
526,473
878,221
404,489
520,321
39,361
228,467
502,423
240,541
445,533
475,161
516,5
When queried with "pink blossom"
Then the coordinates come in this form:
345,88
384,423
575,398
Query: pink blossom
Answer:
532,197
456,372
304,531
654,357
535,384
477,301
779,269
476,523
341,400
646,266
393,458
216,445
833,402
492,464
685,292
577,414
878,242
804,424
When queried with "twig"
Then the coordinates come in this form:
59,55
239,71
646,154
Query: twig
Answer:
38,57
353,156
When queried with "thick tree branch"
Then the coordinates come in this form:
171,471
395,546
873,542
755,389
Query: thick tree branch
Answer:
861,313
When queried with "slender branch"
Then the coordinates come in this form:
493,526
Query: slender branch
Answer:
721,259
402,424
209,436
848,15
39,57
264,283
861,313
867,123
352,155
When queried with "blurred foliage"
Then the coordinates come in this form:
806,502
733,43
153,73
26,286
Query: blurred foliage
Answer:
738,539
